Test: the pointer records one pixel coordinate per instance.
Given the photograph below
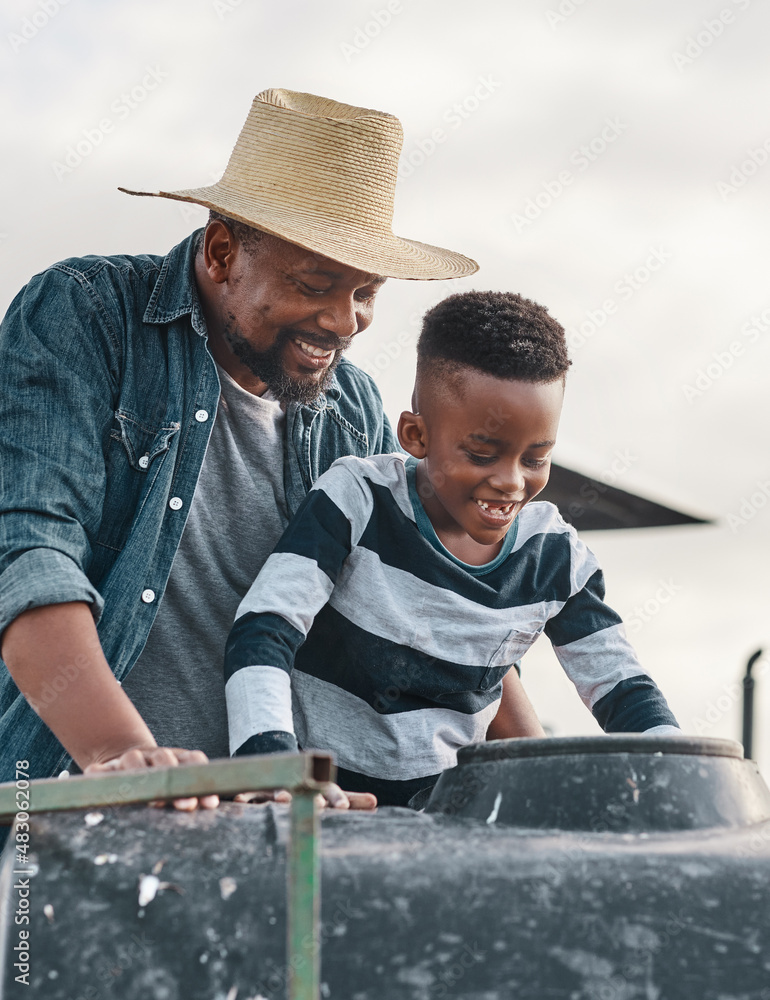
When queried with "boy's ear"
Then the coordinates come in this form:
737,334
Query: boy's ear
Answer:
412,434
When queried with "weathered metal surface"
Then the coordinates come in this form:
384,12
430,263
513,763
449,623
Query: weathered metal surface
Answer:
414,906
303,774
304,891
615,783
224,777
749,682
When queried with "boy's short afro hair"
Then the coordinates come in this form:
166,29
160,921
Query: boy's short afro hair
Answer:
499,333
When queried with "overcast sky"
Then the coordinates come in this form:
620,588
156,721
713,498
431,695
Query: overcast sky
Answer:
609,159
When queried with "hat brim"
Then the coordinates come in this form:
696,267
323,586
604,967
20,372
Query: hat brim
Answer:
372,251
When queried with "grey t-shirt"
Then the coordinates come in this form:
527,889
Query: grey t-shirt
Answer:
238,513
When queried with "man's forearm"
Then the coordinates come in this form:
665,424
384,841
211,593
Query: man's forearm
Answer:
55,658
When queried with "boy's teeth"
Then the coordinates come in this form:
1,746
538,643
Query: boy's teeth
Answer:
316,352
503,508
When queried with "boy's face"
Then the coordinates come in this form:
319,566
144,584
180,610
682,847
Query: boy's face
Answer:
486,452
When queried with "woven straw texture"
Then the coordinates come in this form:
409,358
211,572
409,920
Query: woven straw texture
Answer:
322,175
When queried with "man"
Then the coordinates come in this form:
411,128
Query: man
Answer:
173,412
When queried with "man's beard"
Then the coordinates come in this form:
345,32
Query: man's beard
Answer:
268,366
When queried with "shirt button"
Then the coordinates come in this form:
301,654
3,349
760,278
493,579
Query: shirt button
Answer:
175,503
148,596
144,461
201,416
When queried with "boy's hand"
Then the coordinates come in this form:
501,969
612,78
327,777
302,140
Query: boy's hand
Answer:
333,797
141,757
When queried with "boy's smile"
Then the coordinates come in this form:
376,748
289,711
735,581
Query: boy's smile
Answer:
485,446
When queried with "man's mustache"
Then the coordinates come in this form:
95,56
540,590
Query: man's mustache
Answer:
325,343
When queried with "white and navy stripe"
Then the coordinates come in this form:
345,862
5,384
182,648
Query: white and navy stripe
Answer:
359,637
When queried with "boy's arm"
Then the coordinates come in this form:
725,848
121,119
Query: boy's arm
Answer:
272,622
515,716
590,642
276,614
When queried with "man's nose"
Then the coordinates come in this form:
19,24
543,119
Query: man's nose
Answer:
339,316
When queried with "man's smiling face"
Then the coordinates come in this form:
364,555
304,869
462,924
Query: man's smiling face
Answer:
281,314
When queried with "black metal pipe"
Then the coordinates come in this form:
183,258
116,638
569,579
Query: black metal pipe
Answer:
748,706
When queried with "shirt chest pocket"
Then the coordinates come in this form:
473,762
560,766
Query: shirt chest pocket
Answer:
514,646
137,450
142,442
511,649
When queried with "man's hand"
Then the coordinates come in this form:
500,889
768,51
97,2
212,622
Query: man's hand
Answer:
55,658
143,757
333,797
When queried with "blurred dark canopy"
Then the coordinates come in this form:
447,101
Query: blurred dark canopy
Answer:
592,505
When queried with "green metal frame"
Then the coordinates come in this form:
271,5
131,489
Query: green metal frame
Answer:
303,774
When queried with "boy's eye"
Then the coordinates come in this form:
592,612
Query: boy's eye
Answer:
535,463
481,459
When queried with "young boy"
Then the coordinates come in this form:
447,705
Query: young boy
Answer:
400,595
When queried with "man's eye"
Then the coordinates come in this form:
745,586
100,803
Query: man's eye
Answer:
309,290
366,295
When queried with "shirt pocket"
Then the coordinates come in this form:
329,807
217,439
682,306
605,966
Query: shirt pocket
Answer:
135,456
513,647
335,436
143,443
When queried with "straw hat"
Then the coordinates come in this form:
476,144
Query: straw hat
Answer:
322,175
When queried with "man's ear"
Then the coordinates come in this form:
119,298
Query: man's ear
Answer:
218,250
412,434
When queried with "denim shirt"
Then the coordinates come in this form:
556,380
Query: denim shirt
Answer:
109,393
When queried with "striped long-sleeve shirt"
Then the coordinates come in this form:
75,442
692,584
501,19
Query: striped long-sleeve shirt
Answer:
363,635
